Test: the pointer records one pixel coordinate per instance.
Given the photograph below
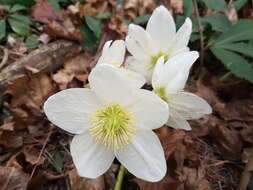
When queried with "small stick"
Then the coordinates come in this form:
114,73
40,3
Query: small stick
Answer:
202,46
246,174
5,57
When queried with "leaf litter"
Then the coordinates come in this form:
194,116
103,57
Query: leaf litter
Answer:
35,154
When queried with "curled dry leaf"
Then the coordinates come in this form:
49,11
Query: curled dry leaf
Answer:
12,178
81,183
177,6
227,142
75,67
9,139
59,23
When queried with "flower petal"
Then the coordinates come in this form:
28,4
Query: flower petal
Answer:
174,73
70,109
162,28
90,158
110,84
140,66
135,79
176,121
144,157
113,53
141,38
189,106
149,110
182,37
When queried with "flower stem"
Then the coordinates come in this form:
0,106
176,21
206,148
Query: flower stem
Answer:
120,177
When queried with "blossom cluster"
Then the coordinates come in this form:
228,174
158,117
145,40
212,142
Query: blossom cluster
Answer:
114,118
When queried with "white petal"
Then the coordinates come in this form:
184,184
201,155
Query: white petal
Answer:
113,54
140,66
182,37
189,106
149,110
135,79
70,109
91,159
110,84
176,121
162,28
174,73
141,38
144,158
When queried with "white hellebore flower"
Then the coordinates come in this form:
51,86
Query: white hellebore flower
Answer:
114,53
111,119
168,81
159,39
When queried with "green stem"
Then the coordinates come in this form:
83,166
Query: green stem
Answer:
120,177
225,76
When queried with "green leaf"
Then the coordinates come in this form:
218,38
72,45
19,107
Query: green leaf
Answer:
2,29
219,5
142,19
235,63
90,42
54,4
239,4
57,161
188,8
7,7
94,25
75,1
241,47
104,15
21,18
32,42
26,3
20,24
219,22
17,7
242,30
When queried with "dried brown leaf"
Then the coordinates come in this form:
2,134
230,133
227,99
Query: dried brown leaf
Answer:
13,179
81,183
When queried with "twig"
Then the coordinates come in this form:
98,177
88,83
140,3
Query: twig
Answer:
202,46
120,177
225,76
41,152
246,174
5,57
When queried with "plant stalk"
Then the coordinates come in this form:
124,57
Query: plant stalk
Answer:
120,178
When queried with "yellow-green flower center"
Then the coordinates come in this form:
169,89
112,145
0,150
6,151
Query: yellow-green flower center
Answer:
154,58
161,91
113,126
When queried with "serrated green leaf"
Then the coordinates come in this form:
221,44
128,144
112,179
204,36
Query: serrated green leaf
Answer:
20,28
26,3
188,8
21,18
235,63
2,29
142,19
104,15
219,22
75,1
242,30
17,7
94,25
219,5
241,47
32,42
239,4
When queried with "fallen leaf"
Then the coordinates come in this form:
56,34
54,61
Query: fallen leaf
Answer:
177,6
81,183
227,142
13,179
43,12
10,139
